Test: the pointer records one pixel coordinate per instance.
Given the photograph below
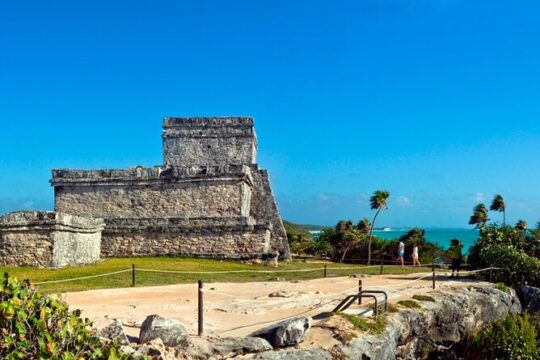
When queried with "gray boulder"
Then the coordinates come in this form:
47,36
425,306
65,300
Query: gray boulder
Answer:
221,348
170,331
115,330
307,354
530,298
286,333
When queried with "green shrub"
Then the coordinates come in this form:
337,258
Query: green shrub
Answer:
502,287
535,321
36,326
517,268
508,339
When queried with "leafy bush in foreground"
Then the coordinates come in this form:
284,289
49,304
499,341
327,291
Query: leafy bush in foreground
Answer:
509,339
36,326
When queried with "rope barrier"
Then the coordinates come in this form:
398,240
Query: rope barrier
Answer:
257,271
81,278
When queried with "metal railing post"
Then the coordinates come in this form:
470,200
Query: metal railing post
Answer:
433,270
324,270
200,313
490,275
382,267
359,291
132,275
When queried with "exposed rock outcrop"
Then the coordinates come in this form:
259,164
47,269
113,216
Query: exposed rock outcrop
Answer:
437,326
170,331
530,298
286,333
309,354
115,330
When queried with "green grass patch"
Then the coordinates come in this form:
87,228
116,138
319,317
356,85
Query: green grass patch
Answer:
423,298
502,287
371,325
409,304
184,264
391,308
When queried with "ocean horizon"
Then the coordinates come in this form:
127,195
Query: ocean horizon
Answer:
440,236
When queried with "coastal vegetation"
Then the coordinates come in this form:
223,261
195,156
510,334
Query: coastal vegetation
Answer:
511,338
38,326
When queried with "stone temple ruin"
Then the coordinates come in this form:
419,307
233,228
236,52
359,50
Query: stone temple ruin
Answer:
209,199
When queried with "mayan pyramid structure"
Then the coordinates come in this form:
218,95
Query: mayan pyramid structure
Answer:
208,199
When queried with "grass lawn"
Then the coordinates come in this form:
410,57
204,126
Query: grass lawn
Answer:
184,264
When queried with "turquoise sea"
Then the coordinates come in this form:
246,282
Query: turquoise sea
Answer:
441,236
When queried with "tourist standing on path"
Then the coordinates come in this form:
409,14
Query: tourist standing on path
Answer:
415,255
401,252
455,251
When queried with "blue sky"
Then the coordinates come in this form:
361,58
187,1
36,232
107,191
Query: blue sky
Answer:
436,101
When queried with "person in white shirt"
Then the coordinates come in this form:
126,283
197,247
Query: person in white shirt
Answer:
415,255
401,253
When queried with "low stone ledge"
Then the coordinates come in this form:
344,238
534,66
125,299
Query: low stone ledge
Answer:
190,225
49,219
49,239
62,177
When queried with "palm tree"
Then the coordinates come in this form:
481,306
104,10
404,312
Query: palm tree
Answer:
344,238
363,226
498,205
479,218
377,202
521,225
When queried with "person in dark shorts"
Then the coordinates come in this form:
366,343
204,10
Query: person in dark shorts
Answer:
455,252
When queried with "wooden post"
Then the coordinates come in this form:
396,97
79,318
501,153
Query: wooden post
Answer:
359,291
324,270
200,317
433,269
382,267
132,275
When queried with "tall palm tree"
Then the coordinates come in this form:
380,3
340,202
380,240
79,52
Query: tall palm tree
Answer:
363,225
498,205
479,218
378,201
521,225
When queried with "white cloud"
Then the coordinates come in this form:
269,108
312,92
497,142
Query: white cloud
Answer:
479,196
403,201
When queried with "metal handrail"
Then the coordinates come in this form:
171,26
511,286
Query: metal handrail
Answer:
350,299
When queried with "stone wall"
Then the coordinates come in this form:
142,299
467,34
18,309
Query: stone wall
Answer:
209,141
218,237
117,194
48,239
264,207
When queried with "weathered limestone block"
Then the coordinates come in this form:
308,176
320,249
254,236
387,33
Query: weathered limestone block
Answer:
170,331
209,141
49,239
115,330
286,333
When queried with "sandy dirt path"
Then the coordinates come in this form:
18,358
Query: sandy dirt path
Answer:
237,309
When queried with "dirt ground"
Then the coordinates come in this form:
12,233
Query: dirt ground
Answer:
237,309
